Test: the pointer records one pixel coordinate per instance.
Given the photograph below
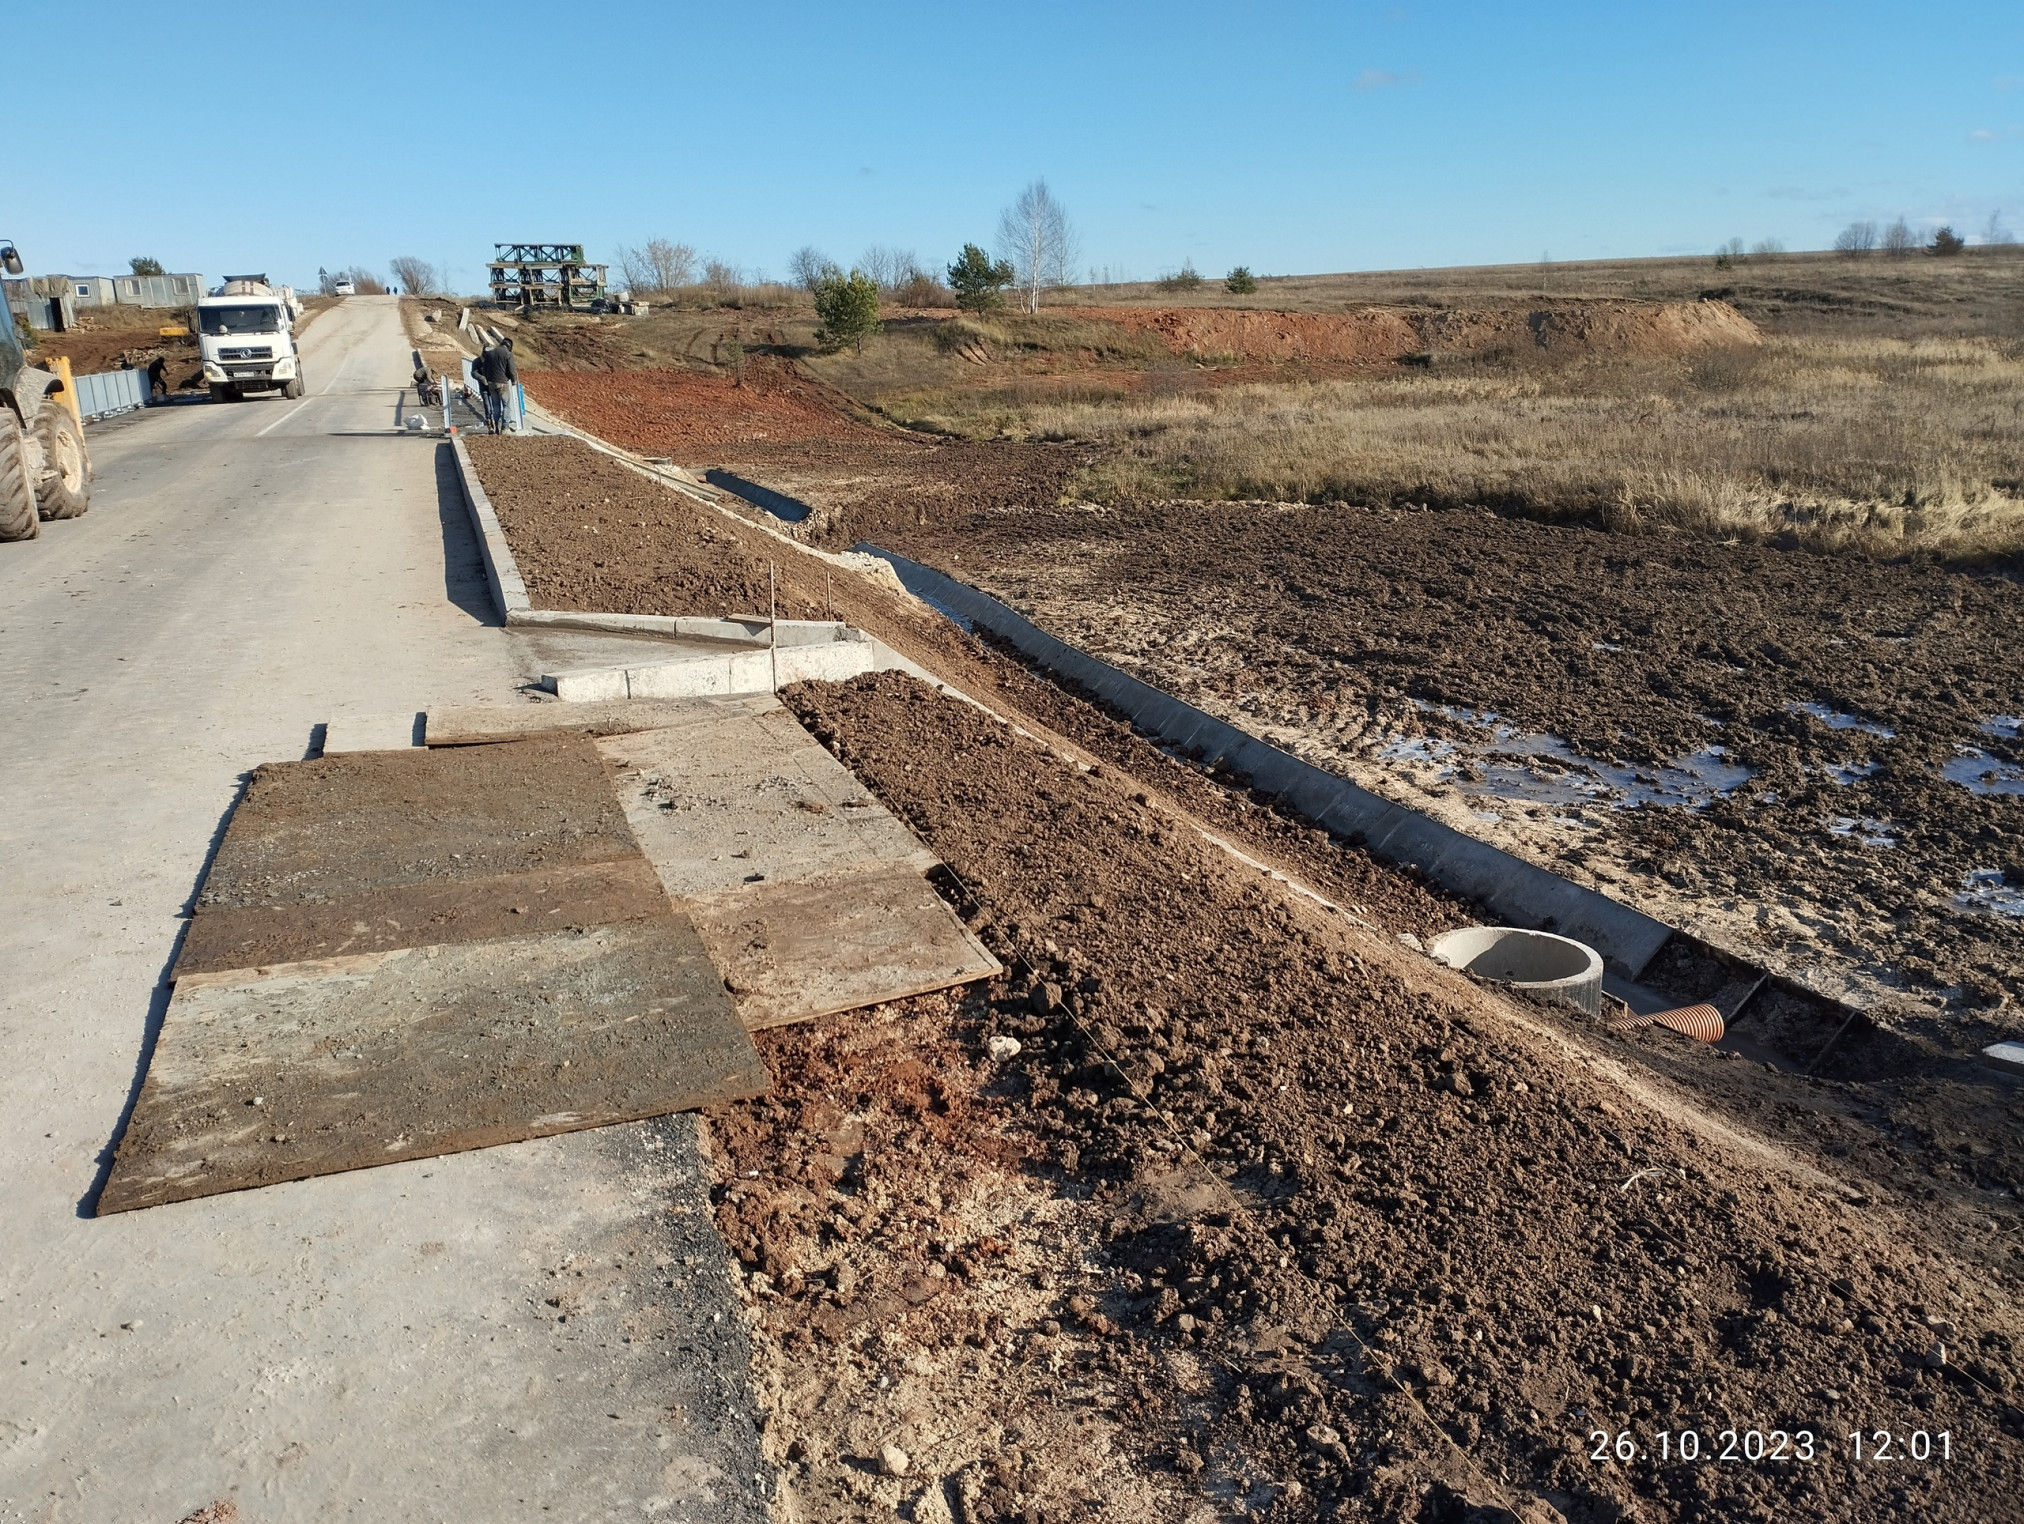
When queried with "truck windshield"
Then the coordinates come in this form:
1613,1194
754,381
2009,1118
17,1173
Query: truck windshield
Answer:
265,318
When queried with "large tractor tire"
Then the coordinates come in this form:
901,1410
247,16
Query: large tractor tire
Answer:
17,493
65,489
226,393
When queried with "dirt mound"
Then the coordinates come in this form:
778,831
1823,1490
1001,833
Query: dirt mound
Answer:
1211,1195
1377,335
680,413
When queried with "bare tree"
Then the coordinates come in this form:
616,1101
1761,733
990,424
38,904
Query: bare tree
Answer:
656,266
891,268
635,270
415,276
673,264
1765,247
1898,240
1993,231
808,266
1855,240
364,281
1034,233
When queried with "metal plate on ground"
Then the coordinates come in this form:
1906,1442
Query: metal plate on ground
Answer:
799,949
281,1074
809,892
349,825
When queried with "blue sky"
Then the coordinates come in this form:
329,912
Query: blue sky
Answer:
1292,138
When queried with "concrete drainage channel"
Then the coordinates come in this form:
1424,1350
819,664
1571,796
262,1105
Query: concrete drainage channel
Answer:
1651,967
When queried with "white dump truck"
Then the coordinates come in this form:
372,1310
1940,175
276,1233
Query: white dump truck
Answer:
246,335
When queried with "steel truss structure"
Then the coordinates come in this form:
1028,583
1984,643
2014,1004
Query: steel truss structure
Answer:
544,275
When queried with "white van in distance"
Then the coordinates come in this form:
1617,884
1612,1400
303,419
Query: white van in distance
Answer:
246,337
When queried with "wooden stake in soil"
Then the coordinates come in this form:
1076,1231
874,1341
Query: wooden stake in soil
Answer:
773,620
828,597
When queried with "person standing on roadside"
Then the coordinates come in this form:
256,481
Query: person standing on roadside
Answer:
158,376
500,376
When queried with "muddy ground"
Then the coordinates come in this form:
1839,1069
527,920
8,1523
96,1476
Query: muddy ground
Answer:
921,1212
1219,1203
1814,761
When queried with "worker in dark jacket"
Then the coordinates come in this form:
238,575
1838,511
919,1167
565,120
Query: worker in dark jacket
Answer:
500,377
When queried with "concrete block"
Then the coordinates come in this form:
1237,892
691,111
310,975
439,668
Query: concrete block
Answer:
750,671
372,732
2007,1056
591,683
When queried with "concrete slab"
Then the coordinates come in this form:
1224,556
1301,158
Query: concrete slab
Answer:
2007,1056
430,913
263,1076
372,732
484,724
335,828
760,671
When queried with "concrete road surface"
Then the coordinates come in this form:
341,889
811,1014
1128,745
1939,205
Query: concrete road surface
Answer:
543,1331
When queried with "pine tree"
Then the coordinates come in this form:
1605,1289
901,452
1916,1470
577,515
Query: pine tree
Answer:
848,307
979,283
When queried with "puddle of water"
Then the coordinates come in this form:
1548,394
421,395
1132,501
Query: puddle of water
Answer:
1420,749
1871,833
1984,890
2008,726
1834,719
1980,773
1550,772
1846,773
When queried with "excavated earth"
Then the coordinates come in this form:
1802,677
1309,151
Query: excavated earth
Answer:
1381,334
1861,826
1469,664
1263,1209
1218,1202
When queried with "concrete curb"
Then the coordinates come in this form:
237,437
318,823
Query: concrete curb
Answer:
796,650
501,570
719,676
509,591
1516,891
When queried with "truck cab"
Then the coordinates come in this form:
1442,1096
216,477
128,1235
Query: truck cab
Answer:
246,336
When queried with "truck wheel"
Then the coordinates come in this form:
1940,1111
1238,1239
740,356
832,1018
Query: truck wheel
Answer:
65,489
17,493
224,394
293,389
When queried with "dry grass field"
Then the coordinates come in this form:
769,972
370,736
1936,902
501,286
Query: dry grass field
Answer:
1871,406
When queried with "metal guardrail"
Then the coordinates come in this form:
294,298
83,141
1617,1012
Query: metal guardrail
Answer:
113,391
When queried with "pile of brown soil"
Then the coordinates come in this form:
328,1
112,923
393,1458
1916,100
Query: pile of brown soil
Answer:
1384,335
1260,1209
688,414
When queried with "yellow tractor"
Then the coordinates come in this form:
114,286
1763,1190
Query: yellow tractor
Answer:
45,472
